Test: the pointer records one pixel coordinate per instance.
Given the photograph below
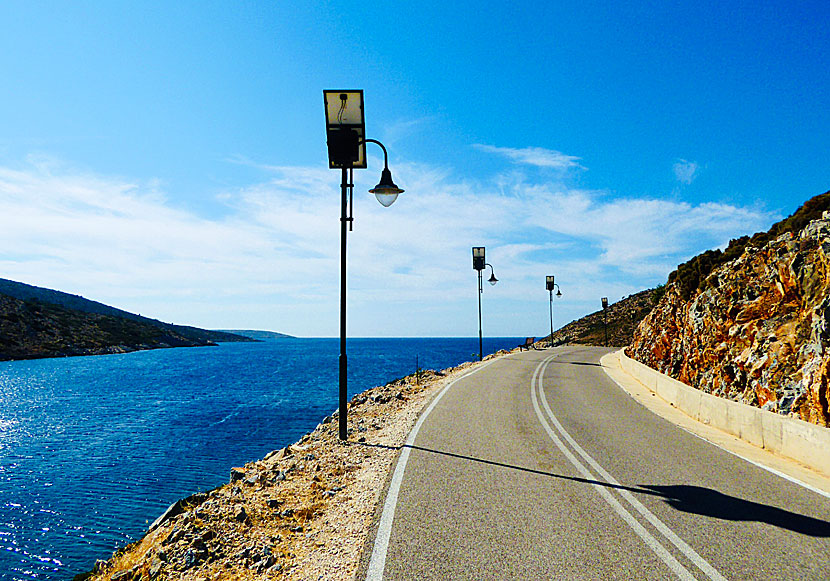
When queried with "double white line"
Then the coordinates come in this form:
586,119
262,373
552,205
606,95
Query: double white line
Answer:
585,465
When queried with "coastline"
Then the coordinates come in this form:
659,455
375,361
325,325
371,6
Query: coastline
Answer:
302,512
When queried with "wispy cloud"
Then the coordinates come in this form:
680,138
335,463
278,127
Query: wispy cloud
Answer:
685,171
272,259
536,156
397,131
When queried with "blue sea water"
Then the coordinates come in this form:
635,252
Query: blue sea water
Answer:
93,449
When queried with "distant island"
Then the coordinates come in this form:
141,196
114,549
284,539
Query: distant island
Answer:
257,335
38,322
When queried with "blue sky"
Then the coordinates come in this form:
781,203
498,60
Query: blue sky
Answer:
169,158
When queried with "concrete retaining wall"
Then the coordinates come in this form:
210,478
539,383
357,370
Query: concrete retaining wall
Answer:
801,441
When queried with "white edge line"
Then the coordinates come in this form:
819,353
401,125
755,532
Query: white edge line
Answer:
377,562
778,473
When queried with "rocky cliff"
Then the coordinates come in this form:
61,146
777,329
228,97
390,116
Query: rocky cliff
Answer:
752,324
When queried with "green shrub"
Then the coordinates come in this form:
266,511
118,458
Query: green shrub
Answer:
690,275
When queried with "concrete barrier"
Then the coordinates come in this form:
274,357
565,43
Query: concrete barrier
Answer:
798,440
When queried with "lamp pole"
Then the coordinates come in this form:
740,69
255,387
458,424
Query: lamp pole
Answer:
478,265
343,403
605,318
550,285
346,141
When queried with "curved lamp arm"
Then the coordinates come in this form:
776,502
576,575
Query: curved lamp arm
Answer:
386,191
385,154
492,280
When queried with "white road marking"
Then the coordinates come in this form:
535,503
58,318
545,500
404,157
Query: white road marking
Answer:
653,543
377,562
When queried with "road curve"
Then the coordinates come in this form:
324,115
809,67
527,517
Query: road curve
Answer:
537,466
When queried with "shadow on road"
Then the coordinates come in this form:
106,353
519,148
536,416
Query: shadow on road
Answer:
578,363
708,502
686,498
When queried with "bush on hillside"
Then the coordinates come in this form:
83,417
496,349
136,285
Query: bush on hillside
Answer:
690,275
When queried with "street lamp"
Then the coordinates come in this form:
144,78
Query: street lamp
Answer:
346,141
549,284
479,264
605,318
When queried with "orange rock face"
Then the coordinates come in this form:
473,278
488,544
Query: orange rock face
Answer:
757,331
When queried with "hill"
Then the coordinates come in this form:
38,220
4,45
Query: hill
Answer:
622,318
752,323
32,329
37,322
26,292
258,335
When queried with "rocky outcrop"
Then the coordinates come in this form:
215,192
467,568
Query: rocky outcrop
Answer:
756,329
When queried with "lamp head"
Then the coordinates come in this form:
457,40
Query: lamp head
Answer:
558,293
386,191
492,280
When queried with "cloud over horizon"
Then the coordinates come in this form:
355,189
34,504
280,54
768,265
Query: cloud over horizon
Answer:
272,258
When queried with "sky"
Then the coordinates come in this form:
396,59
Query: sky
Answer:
170,158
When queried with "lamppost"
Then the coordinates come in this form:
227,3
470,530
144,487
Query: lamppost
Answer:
605,318
346,141
479,264
549,284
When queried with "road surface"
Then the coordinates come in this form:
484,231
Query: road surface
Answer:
538,466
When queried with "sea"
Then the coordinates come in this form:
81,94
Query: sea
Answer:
93,449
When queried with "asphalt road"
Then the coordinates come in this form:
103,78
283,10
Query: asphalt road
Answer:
538,466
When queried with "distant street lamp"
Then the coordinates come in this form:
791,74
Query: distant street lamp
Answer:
550,285
346,141
605,318
479,264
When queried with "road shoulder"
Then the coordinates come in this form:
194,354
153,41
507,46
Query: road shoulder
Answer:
784,467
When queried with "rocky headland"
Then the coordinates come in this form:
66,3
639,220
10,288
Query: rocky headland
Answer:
36,322
752,323
31,329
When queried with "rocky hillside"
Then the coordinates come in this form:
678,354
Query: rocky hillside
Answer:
27,292
32,329
38,322
752,324
622,318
